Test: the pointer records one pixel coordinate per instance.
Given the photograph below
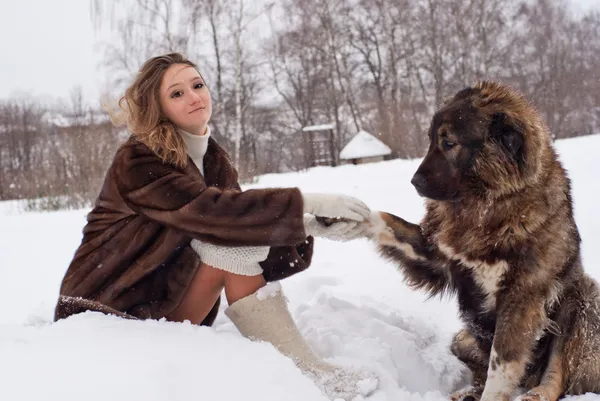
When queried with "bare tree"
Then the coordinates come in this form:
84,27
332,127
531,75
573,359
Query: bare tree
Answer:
144,28
555,64
381,35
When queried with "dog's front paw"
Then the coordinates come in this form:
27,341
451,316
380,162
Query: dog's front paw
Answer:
533,395
499,396
377,229
467,394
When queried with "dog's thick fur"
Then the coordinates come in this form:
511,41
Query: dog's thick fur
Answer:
499,233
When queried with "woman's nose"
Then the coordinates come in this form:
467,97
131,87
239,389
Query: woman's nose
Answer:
194,98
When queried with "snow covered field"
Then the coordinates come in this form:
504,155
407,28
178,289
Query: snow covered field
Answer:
352,306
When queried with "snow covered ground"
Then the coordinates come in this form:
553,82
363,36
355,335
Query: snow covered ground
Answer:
352,306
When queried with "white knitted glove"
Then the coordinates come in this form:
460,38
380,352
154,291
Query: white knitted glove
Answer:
334,205
340,231
243,260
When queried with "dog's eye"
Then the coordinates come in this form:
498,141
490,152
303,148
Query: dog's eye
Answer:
447,145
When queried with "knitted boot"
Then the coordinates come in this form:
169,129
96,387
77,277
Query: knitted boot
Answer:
264,316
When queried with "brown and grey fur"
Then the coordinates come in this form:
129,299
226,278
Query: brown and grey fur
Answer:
499,233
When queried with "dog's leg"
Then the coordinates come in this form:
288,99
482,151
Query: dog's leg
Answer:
518,325
574,364
469,394
553,380
424,267
582,340
468,351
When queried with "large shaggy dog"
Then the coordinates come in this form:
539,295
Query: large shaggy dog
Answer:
499,233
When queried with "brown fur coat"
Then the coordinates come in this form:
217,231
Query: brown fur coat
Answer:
135,258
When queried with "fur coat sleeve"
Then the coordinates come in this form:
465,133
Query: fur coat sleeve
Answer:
167,195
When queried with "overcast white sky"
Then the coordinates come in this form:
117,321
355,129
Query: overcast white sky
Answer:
49,46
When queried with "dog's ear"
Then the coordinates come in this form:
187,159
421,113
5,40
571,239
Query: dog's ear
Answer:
509,136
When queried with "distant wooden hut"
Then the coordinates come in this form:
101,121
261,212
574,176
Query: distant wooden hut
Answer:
364,148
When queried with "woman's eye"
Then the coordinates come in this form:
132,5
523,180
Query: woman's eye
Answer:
199,85
176,94
447,145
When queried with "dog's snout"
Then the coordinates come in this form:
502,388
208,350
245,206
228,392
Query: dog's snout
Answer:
418,180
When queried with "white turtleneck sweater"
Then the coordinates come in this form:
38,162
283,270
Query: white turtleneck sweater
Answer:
243,260
196,147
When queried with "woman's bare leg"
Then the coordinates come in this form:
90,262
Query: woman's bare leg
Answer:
201,295
205,289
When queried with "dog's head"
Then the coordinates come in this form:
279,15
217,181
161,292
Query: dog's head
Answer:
486,140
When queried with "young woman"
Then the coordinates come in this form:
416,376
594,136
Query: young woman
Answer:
171,229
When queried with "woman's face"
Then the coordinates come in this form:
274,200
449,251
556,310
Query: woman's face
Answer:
184,98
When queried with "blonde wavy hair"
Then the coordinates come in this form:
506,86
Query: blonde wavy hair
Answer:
140,109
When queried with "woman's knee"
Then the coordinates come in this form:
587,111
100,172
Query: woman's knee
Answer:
201,295
208,273
239,286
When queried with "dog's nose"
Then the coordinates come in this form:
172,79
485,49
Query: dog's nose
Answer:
418,180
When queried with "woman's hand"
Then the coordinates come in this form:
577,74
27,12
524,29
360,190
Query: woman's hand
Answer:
335,205
342,230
